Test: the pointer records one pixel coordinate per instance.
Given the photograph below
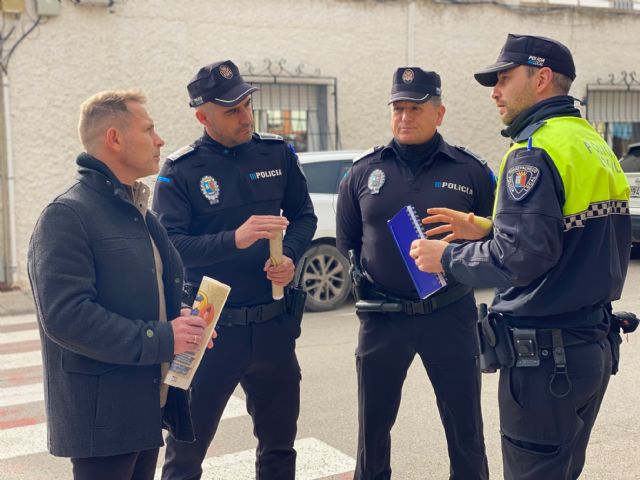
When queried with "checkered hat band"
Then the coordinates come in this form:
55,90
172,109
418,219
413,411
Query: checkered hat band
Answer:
597,209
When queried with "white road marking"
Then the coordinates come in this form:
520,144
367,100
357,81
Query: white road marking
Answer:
31,439
315,460
21,336
17,319
15,442
235,408
22,394
20,360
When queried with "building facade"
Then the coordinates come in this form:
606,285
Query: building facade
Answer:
325,69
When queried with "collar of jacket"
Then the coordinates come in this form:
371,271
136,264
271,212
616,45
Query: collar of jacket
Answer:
560,106
443,150
216,146
97,175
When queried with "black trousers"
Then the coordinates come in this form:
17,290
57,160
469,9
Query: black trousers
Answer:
129,466
545,437
261,358
446,343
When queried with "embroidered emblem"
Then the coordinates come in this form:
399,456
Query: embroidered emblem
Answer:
521,179
408,76
376,181
536,61
226,72
210,189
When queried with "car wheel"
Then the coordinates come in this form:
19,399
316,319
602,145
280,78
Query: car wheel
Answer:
326,278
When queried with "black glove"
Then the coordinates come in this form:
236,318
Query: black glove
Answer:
627,321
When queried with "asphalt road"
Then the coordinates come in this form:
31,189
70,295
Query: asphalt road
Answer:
328,421
329,399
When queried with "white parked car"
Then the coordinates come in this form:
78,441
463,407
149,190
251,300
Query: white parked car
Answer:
326,276
630,163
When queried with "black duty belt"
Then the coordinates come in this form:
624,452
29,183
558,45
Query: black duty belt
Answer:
576,318
387,303
544,337
245,315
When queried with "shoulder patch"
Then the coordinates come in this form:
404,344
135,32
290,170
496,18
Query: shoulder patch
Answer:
269,136
366,153
181,152
528,131
521,179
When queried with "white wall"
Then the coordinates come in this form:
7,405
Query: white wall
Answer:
158,45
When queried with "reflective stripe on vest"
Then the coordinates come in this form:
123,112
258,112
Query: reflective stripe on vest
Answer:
594,184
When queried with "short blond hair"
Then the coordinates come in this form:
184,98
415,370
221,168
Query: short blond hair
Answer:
104,110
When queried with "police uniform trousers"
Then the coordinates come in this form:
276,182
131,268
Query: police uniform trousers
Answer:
261,358
545,436
128,466
446,342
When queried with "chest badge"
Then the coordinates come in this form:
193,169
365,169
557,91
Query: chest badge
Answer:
210,189
376,181
521,179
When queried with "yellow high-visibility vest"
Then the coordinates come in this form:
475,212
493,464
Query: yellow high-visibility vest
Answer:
594,184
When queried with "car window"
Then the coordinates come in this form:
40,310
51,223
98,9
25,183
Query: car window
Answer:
631,162
325,177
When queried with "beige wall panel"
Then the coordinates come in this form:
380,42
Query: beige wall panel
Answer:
159,44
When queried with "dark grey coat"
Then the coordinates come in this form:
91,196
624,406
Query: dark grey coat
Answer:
92,272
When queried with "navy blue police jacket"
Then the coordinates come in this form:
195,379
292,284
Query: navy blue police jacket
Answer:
453,177
542,266
205,191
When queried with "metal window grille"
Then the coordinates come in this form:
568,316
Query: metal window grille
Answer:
613,107
300,107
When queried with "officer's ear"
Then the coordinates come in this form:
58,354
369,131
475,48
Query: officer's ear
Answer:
202,117
440,111
544,79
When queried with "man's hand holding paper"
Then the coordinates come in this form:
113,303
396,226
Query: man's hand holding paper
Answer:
258,227
281,274
188,332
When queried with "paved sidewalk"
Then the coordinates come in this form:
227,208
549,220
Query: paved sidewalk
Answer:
16,302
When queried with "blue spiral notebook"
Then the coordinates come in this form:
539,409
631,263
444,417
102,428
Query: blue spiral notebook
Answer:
406,227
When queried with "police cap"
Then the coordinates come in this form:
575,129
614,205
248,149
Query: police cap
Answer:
219,83
529,50
412,84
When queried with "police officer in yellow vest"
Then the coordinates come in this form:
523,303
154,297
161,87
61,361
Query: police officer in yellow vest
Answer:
557,254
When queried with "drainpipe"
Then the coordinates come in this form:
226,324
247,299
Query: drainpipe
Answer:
12,277
411,22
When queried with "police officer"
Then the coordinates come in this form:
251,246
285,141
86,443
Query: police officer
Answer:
220,200
416,167
558,257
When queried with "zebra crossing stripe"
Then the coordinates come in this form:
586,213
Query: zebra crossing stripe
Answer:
315,460
20,336
31,439
20,360
22,394
15,442
18,320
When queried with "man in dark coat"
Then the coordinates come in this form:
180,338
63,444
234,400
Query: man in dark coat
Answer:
106,280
